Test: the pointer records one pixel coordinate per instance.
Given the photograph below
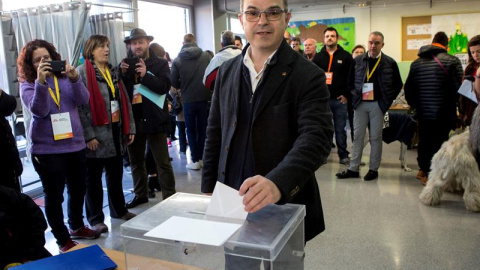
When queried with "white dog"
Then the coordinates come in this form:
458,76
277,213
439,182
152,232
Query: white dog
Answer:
454,168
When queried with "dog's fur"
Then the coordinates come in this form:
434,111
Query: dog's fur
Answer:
454,168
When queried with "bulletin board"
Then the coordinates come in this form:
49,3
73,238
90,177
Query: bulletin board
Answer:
416,32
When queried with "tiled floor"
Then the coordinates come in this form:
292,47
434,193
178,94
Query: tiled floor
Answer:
369,225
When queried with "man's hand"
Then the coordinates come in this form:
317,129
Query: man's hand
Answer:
259,192
93,144
123,66
342,99
141,68
131,138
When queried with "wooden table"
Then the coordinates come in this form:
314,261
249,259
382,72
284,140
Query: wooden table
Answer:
143,263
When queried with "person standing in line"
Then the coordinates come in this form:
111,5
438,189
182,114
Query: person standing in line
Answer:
431,88
238,42
187,74
374,82
336,62
356,51
108,126
148,74
56,135
310,48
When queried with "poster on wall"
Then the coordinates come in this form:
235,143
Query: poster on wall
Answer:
416,44
459,28
419,29
314,29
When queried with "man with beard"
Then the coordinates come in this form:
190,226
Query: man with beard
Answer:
336,62
149,73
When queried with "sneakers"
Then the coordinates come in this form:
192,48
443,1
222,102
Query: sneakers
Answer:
194,166
70,244
169,143
127,170
100,227
84,233
345,161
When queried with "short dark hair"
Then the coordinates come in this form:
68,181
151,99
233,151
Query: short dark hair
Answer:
358,46
331,29
26,71
295,39
239,39
440,38
227,38
189,38
157,49
93,42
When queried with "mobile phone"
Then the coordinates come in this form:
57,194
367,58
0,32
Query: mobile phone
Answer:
57,66
132,64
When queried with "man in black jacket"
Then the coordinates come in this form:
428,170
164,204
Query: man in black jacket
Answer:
374,82
431,88
336,62
10,165
150,74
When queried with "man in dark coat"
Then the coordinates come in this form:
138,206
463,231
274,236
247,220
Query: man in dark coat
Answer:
10,165
270,125
375,83
431,88
151,120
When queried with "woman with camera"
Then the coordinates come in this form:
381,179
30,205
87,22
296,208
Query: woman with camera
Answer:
109,126
56,136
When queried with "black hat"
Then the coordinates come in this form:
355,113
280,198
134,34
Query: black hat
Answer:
137,33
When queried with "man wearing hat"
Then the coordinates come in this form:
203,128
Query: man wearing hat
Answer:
141,72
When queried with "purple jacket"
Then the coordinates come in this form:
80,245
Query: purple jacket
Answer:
37,99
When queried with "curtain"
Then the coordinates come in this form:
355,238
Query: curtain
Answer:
110,25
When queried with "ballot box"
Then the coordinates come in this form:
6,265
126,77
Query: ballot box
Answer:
272,238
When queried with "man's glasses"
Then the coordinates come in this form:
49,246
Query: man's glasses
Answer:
273,14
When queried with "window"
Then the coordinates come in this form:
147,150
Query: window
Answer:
167,24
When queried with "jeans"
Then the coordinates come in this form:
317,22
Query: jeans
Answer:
196,124
56,170
182,136
94,197
340,117
159,148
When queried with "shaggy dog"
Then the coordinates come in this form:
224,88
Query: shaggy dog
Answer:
453,168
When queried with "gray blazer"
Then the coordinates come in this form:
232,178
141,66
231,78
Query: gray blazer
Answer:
103,134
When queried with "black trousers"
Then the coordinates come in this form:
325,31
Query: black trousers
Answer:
56,170
113,178
431,135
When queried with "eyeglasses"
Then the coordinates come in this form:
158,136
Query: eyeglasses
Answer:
273,14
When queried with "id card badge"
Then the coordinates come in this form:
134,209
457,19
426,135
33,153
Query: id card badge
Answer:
62,126
329,76
367,91
137,97
115,109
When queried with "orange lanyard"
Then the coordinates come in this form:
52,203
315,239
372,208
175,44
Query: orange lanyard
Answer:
108,78
369,75
56,99
331,59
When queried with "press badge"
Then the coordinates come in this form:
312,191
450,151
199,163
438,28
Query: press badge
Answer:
115,109
329,76
62,126
137,97
367,91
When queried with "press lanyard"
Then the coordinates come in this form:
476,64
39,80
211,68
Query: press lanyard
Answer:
108,78
57,90
331,59
369,75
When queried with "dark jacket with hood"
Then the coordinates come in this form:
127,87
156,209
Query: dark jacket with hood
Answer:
187,73
10,164
429,88
341,62
149,118
387,77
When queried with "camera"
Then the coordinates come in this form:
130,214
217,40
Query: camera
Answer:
57,66
132,64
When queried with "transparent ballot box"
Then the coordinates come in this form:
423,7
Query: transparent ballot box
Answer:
272,238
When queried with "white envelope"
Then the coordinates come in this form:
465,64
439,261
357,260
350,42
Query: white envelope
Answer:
227,203
467,90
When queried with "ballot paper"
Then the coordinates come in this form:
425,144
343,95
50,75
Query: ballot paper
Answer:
192,230
225,215
226,202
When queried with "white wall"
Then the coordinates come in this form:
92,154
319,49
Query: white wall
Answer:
387,20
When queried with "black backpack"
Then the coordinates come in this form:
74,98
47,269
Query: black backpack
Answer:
176,104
